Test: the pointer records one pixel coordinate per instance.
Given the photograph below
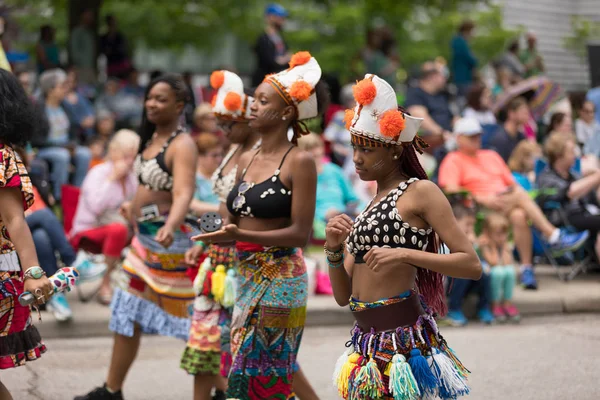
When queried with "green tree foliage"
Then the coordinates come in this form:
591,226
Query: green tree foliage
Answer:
333,30
583,30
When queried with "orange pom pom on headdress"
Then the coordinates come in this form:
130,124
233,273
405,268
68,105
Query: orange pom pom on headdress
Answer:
232,101
300,58
391,124
348,117
364,92
300,90
216,79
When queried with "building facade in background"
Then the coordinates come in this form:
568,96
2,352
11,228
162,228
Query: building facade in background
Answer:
550,20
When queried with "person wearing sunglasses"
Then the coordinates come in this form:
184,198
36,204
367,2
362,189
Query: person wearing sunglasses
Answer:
271,211
207,355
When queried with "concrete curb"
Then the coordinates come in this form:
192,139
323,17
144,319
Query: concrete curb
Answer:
554,297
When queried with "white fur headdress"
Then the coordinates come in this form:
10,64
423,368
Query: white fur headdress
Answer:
230,101
376,120
297,84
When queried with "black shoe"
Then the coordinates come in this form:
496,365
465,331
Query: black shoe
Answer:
219,395
101,393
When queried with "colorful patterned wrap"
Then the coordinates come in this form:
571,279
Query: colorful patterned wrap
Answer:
208,350
20,341
158,294
268,322
409,363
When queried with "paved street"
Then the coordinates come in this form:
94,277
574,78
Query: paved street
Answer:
543,358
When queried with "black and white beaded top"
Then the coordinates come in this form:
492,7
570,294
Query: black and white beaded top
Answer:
382,226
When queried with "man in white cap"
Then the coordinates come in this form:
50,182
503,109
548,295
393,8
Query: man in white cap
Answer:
486,176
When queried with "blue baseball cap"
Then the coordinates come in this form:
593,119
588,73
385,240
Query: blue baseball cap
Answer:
277,10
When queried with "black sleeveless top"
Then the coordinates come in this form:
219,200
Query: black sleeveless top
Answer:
266,200
153,173
382,226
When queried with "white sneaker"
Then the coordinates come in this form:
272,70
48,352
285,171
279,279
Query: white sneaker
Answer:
59,307
88,270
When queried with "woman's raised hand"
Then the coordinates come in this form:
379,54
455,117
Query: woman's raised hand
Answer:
337,230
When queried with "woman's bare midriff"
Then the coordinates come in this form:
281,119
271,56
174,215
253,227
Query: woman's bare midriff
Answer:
370,286
261,225
145,197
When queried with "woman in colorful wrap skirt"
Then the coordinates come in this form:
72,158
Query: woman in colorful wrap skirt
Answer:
207,355
20,341
158,296
272,207
390,272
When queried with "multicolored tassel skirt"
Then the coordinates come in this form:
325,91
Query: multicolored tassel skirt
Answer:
397,352
268,322
208,347
156,293
20,341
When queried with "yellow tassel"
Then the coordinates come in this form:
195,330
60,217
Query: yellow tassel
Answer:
344,377
201,276
388,367
218,283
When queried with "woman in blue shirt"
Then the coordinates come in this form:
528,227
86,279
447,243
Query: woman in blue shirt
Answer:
210,156
47,52
335,194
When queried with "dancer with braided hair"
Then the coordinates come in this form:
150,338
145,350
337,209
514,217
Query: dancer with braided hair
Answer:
390,272
272,207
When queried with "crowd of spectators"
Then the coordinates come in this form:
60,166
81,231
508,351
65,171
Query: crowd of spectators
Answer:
85,139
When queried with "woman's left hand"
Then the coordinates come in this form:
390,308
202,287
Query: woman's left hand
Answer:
41,289
379,258
165,236
228,233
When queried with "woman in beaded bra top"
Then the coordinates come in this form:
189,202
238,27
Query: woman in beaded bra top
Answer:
207,354
157,294
390,272
271,211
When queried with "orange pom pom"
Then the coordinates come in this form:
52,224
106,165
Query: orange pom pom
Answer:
364,92
391,124
232,101
348,117
300,90
300,58
216,79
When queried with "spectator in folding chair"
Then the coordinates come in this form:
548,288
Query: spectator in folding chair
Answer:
487,177
522,163
101,216
576,195
52,245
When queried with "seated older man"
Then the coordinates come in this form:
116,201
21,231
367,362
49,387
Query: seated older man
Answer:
487,177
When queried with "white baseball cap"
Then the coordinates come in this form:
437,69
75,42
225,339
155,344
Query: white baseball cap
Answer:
467,127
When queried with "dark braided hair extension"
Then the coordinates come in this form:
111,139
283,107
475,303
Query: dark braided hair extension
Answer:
430,284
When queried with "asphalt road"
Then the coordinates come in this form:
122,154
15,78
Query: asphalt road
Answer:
544,358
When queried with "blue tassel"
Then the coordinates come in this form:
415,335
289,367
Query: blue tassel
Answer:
428,382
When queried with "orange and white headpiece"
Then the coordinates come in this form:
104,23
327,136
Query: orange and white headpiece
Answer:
296,85
376,120
230,102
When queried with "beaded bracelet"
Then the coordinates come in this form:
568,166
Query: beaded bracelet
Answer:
200,243
334,255
335,263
